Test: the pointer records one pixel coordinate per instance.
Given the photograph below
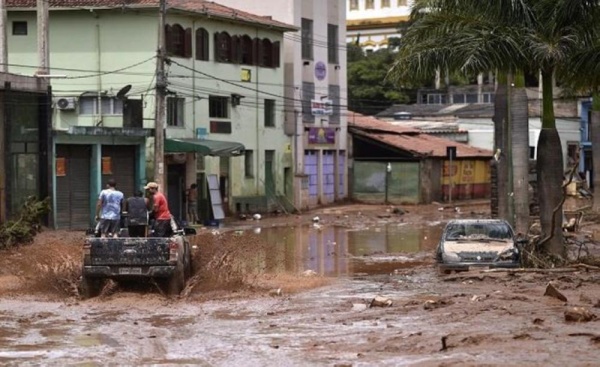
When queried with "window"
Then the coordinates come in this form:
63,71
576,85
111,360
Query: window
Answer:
246,50
218,107
269,113
201,44
19,28
458,98
307,39
89,105
401,2
385,3
249,163
266,53
370,4
308,94
175,111
178,40
353,4
332,43
220,127
334,96
223,51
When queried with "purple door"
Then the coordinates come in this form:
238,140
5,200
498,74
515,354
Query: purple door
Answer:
311,169
341,174
329,176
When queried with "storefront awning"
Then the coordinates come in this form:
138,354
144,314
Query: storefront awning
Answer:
204,147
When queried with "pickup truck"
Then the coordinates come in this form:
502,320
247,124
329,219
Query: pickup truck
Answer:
164,259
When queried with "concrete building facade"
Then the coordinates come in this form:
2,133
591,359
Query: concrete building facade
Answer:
225,78
315,94
371,23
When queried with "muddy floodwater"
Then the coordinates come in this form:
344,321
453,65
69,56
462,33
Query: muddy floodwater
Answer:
297,295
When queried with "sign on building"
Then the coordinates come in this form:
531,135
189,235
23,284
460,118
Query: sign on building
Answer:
321,107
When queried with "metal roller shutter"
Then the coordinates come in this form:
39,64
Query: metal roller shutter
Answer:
122,167
73,186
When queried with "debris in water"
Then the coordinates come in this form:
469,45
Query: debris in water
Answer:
380,301
551,291
309,273
579,314
358,307
256,216
275,292
444,345
316,219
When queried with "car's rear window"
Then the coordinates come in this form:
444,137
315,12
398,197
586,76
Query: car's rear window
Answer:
478,230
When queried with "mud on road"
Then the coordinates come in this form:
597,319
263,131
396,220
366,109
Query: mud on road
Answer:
255,314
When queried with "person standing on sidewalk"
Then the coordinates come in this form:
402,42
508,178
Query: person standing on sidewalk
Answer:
108,210
192,204
160,208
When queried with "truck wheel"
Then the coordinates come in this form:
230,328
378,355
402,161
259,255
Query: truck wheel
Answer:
90,287
177,281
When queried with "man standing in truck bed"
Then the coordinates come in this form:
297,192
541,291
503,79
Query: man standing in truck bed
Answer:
108,210
162,215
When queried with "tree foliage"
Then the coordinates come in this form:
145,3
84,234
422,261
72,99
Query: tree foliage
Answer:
369,92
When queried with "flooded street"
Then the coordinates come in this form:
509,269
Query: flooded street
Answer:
297,295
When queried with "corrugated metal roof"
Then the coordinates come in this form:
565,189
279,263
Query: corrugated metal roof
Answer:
195,6
410,139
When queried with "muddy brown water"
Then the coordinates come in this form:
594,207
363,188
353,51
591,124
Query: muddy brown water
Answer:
321,320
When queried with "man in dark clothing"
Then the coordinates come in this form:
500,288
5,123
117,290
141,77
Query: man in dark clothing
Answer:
137,211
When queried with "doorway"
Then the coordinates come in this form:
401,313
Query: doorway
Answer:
176,190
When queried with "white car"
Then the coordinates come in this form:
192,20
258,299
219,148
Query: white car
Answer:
479,243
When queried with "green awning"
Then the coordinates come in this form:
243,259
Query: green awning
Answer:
204,147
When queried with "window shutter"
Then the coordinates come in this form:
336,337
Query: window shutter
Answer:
199,44
168,39
260,52
276,55
217,55
256,51
187,44
236,52
204,33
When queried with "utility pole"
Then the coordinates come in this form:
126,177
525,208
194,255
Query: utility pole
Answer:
3,41
42,37
161,101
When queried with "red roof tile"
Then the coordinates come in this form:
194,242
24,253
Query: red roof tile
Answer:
410,139
196,6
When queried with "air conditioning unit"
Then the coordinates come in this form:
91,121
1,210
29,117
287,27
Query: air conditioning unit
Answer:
65,103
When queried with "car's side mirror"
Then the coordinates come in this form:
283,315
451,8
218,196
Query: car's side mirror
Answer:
189,231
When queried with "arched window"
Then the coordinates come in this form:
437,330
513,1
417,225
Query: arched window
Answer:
201,44
266,53
223,47
246,45
178,40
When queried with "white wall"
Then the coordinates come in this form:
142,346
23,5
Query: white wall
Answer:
481,132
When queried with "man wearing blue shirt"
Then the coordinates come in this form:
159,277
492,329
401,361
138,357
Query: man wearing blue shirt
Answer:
108,210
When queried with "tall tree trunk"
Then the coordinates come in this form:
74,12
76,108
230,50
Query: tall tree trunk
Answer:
519,112
500,144
595,138
550,172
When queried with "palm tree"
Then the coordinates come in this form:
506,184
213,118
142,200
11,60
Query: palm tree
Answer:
507,35
468,37
583,75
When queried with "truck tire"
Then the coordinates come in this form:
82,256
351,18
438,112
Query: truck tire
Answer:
176,283
90,287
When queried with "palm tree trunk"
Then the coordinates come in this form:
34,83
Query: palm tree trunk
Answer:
550,172
500,143
595,138
519,112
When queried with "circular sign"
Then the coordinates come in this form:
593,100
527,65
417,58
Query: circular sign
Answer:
320,70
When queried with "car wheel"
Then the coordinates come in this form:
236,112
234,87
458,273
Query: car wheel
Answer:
177,281
90,287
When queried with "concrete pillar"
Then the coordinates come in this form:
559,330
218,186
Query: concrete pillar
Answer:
95,178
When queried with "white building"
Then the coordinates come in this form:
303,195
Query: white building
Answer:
315,72
372,22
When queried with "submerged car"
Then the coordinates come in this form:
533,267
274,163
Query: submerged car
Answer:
477,243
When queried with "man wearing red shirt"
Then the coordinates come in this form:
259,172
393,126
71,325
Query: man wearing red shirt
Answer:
162,215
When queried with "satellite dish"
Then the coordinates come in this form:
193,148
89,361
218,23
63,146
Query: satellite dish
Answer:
121,93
